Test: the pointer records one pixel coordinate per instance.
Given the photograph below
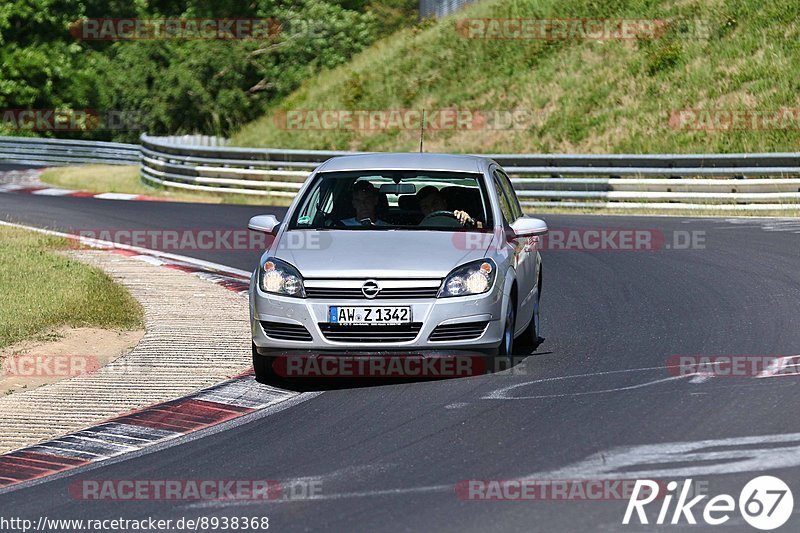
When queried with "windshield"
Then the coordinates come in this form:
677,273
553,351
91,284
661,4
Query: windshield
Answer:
408,200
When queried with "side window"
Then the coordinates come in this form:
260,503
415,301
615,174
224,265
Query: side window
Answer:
317,205
512,196
309,210
505,207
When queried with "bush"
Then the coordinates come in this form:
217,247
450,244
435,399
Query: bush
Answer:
175,87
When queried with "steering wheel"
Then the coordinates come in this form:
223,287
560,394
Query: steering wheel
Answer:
443,218
332,222
442,213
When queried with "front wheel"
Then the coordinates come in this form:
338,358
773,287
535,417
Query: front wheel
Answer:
530,337
505,352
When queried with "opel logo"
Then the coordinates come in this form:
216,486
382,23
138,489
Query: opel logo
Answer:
370,288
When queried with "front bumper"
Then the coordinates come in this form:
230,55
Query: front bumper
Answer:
429,312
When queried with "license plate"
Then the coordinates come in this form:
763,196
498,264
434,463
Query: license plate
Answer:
349,315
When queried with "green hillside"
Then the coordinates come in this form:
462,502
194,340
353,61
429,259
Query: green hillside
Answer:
581,95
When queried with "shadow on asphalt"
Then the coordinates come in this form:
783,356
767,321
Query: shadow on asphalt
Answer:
328,384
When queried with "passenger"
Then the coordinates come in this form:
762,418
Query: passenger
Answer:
431,201
366,201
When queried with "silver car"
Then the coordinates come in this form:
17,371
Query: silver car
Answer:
398,255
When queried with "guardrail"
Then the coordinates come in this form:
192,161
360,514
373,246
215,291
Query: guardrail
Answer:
768,181
53,152
679,181
441,8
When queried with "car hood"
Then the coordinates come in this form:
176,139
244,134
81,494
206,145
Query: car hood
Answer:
379,254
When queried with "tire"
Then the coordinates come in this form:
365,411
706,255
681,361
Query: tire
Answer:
505,352
530,337
262,367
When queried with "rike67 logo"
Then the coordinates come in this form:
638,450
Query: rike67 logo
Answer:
765,503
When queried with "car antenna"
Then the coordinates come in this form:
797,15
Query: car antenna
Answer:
421,130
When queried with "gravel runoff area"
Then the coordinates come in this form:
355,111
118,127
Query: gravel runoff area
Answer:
179,353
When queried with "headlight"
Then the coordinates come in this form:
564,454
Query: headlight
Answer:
473,278
278,277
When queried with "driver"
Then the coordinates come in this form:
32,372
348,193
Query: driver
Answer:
365,199
431,200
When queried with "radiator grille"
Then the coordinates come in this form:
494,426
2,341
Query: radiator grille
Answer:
377,334
354,293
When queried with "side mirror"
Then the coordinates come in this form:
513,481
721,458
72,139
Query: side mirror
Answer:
263,223
526,226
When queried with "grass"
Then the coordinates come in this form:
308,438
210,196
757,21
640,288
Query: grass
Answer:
612,96
43,290
125,179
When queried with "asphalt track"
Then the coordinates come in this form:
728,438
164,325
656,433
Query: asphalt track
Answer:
582,406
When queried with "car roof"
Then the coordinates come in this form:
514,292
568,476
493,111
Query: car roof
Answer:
406,161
